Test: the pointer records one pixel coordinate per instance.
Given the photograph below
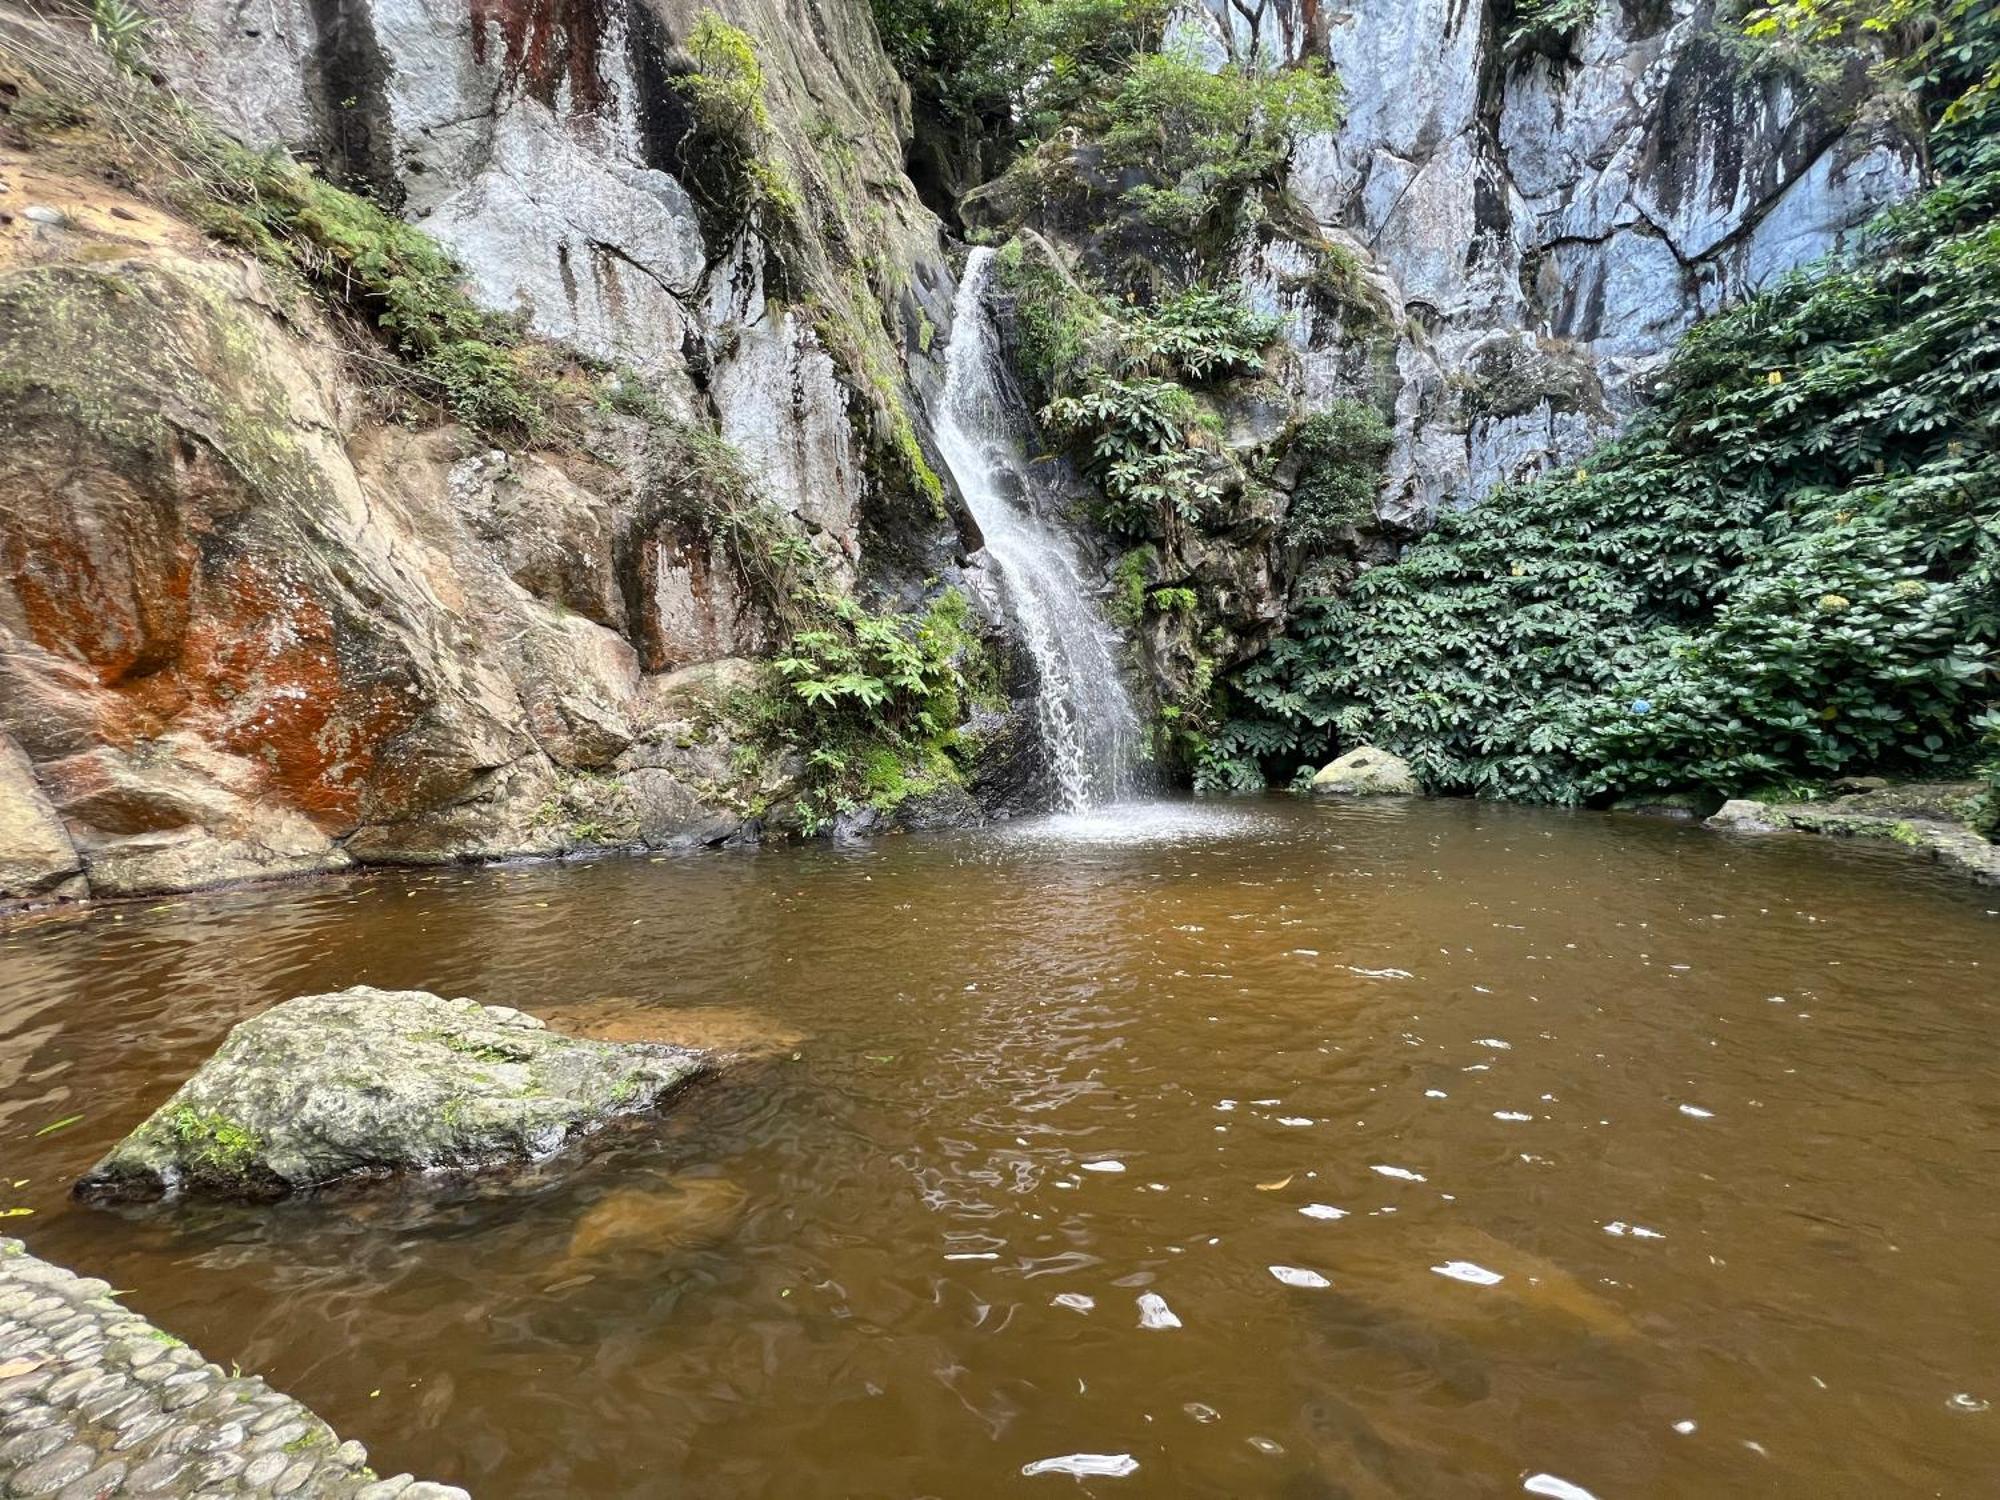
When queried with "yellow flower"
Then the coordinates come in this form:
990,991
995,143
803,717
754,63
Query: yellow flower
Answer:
1774,378
1833,604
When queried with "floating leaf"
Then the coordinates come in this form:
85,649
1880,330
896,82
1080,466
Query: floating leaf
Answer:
55,1125
1272,1187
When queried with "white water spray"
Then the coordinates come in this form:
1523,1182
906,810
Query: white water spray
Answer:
1088,728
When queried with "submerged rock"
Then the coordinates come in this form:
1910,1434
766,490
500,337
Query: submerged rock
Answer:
1367,772
368,1082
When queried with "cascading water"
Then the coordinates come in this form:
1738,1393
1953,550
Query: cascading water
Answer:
1087,724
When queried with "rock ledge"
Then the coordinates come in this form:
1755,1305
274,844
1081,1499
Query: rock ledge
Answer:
368,1082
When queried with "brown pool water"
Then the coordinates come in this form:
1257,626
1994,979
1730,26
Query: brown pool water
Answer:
1721,1116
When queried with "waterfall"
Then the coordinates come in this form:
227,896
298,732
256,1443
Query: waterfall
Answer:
1088,728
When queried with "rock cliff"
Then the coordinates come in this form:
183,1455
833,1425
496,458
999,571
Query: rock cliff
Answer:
1552,216
250,627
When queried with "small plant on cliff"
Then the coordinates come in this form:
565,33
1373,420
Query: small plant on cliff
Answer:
1536,23
872,701
392,275
726,157
1118,382
122,32
1205,139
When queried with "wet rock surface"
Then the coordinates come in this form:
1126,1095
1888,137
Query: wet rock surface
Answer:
368,1082
95,1401
1927,818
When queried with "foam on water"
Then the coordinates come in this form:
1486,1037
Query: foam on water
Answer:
1138,823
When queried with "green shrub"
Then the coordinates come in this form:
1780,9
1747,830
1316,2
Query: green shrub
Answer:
1541,22
1015,67
872,702
1340,451
1207,138
1987,817
727,158
1118,384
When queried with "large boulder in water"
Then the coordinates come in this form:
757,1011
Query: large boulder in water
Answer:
1366,772
369,1082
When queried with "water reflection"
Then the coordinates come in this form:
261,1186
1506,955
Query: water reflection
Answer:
1275,1150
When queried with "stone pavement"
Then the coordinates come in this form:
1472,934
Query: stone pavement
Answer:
95,1401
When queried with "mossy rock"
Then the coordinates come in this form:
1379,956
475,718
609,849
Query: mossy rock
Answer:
1367,772
369,1083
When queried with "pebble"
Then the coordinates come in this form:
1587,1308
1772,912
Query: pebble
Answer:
119,1408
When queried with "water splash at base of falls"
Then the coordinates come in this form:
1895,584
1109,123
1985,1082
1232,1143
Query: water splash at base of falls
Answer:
1088,728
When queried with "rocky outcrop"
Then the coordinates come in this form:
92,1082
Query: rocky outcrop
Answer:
369,1082
1934,820
246,630
546,146
1551,218
1366,772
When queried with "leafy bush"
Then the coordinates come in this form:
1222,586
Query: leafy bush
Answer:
727,157
1340,452
1018,67
1986,818
1206,138
1541,22
1947,54
1119,380
1789,569
872,701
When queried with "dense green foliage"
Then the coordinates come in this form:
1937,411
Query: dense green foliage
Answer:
872,702
1205,139
1790,568
726,159
1118,382
1947,56
1016,68
1539,22
1340,452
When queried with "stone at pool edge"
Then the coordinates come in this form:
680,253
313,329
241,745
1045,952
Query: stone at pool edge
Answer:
367,1082
1367,772
1924,818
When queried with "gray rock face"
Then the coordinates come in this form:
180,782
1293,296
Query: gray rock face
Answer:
369,1082
540,143
1588,208
1366,772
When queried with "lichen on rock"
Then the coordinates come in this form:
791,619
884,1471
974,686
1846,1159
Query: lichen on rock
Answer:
368,1083
1366,772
